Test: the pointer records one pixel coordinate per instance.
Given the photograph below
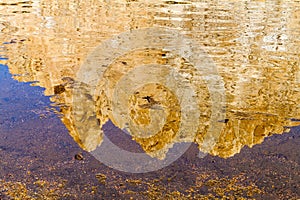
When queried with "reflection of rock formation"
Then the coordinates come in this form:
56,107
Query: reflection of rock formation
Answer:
257,57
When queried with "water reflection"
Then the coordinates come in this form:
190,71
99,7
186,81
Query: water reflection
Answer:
254,45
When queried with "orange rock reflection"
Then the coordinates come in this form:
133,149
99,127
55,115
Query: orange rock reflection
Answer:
255,47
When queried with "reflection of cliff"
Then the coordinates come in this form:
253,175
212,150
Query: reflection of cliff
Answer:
254,45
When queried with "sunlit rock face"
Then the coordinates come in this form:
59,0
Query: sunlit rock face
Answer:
254,46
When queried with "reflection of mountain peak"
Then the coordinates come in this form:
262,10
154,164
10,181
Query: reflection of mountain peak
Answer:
260,70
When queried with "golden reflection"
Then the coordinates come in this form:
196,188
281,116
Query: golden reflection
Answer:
255,46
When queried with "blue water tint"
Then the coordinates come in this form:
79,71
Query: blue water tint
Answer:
19,101
3,71
6,80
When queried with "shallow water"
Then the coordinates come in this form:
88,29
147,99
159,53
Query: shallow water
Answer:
180,90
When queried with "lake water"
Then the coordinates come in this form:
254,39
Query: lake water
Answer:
149,99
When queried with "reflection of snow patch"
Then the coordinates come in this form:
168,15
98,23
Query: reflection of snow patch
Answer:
202,154
36,4
50,23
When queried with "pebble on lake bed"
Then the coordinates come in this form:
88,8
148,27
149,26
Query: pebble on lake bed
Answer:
78,156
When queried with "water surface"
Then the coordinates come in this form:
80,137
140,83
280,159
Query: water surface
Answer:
220,76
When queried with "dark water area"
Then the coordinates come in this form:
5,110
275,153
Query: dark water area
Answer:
215,84
37,161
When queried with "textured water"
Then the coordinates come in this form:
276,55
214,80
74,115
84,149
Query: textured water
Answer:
219,75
